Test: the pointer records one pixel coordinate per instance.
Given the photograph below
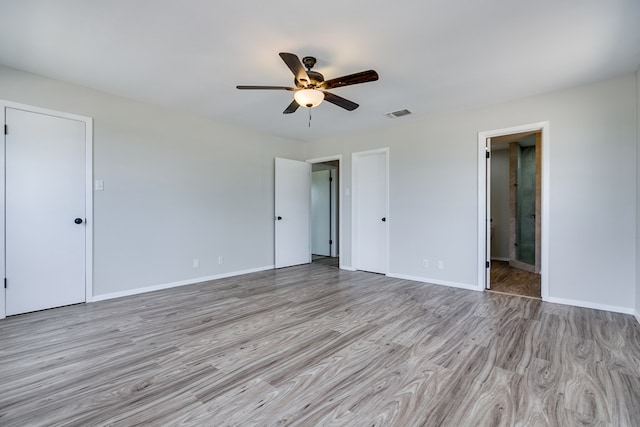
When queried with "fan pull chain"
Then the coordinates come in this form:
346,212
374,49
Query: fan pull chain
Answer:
309,117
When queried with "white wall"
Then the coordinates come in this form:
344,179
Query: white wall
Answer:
176,187
637,311
500,204
433,178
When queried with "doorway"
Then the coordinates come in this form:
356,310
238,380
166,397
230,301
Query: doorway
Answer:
513,207
324,213
326,208
47,215
515,214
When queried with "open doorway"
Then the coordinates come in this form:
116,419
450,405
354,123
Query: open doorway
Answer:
325,212
514,213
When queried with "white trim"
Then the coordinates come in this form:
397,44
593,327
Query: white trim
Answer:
354,197
434,281
193,281
337,157
587,304
3,257
500,259
487,212
482,210
543,127
325,159
88,246
637,316
347,268
88,121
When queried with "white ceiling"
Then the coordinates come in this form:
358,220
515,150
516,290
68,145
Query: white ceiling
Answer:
432,55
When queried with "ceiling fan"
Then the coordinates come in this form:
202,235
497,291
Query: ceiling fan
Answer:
310,86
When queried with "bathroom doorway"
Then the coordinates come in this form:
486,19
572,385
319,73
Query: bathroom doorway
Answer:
515,213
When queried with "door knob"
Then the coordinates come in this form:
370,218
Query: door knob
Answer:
384,219
78,220
279,218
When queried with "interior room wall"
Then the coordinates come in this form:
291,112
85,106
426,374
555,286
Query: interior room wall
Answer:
592,179
500,204
176,187
637,311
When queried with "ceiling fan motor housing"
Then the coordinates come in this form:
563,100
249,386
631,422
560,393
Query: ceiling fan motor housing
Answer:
315,77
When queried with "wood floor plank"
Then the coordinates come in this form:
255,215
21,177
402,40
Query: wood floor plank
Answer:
315,345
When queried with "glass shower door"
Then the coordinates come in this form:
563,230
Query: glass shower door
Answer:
526,205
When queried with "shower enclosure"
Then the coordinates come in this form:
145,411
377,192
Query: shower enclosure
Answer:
525,225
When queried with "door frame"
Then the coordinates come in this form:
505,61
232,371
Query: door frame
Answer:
88,249
337,157
354,203
483,212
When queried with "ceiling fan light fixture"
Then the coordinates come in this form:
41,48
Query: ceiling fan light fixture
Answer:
310,88
308,97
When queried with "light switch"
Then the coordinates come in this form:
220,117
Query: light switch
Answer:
99,185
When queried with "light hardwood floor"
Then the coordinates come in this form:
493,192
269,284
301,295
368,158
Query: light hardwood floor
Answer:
315,345
510,280
332,262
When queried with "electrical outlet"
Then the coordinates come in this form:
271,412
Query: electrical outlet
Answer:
196,263
440,265
425,263
220,260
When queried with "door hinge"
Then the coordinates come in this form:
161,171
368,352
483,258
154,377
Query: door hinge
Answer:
330,179
6,130
5,283
487,264
330,242
488,154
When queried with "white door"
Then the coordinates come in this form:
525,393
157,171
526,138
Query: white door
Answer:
292,212
45,197
371,211
487,251
321,212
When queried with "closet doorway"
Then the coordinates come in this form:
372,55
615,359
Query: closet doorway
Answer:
325,211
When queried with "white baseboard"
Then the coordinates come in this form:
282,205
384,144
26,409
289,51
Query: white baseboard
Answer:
500,259
193,281
637,316
435,282
587,304
347,267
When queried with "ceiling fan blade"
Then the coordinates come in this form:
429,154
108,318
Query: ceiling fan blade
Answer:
266,87
340,101
291,108
351,79
296,67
